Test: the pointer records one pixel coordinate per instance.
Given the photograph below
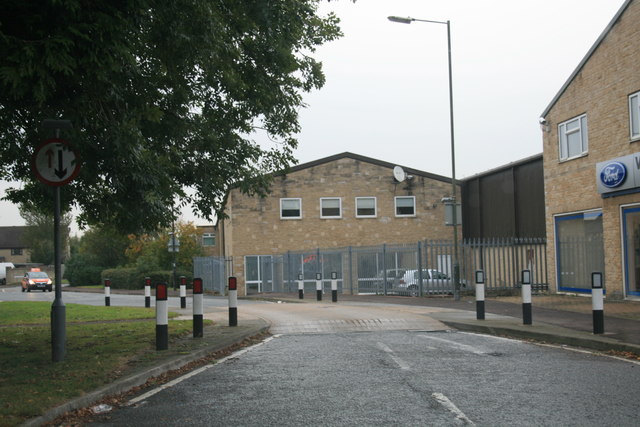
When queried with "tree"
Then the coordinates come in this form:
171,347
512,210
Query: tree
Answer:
151,251
38,235
163,97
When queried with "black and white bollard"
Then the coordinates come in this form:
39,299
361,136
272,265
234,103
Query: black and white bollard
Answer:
147,292
162,317
107,292
198,310
526,297
334,286
300,286
233,301
597,302
479,294
319,286
183,292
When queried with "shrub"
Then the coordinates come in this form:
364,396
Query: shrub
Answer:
132,278
81,270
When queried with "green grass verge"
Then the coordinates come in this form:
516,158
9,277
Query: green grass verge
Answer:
39,312
96,354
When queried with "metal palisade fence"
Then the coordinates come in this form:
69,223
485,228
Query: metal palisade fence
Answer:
422,268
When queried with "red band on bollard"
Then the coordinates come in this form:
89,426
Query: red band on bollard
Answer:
161,291
147,281
183,280
233,284
197,286
107,282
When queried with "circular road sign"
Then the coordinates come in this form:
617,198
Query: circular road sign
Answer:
55,163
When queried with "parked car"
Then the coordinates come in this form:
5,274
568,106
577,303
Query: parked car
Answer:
433,282
394,277
36,279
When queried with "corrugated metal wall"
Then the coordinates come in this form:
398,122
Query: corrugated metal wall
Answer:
505,202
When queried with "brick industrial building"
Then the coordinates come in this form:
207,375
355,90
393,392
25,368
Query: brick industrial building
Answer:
342,200
591,137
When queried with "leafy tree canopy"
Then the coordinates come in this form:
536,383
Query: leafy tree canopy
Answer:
162,96
38,235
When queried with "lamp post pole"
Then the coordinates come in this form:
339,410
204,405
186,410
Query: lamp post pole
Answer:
454,190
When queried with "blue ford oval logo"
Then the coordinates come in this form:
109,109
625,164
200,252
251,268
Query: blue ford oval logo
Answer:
613,174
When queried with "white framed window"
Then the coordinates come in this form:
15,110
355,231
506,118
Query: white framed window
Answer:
634,115
573,138
330,207
405,206
208,239
366,207
290,208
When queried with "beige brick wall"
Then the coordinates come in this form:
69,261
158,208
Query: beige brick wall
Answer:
254,226
600,90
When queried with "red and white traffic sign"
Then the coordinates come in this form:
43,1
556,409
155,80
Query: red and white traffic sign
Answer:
55,163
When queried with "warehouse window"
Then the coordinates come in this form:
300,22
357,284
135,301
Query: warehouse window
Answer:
290,208
573,138
634,115
330,207
406,206
366,207
208,239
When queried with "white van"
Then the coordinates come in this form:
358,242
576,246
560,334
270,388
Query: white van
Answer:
3,271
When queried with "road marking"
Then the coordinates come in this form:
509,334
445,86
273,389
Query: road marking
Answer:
448,404
178,380
464,347
401,363
590,352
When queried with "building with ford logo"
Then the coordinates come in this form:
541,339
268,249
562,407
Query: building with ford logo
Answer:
591,152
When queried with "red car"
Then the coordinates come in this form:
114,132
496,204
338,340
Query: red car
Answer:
36,279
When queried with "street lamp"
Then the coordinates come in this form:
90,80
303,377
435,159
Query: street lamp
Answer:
454,191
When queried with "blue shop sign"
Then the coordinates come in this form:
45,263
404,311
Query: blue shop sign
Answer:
620,174
613,174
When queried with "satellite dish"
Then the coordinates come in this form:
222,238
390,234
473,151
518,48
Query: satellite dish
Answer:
399,174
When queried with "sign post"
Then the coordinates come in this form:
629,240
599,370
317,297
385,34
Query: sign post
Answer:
56,164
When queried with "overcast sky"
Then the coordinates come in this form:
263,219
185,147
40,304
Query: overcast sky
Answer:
386,93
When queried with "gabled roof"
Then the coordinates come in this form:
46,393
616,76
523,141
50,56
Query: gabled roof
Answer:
365,159
587,57
11,237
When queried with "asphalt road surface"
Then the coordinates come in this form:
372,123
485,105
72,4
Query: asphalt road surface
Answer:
380,365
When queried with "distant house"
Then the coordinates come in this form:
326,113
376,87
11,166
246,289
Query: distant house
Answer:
591,148
12,248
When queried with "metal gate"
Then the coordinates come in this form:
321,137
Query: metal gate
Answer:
213,272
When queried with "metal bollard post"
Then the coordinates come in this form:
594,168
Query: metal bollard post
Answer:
479,295
597,302
162,317
233,301
319,286
198,309
334,286
526,297
107,292
183,292
147,292
300,286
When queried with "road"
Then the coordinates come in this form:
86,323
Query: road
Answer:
372,364
386,378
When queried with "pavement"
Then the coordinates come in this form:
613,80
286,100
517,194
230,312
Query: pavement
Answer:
557,319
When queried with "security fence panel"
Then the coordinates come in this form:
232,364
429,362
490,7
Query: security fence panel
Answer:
503,260
213,273
424,268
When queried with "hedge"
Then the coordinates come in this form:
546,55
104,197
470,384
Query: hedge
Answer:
132,278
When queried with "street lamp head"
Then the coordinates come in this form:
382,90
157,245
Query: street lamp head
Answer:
400,19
